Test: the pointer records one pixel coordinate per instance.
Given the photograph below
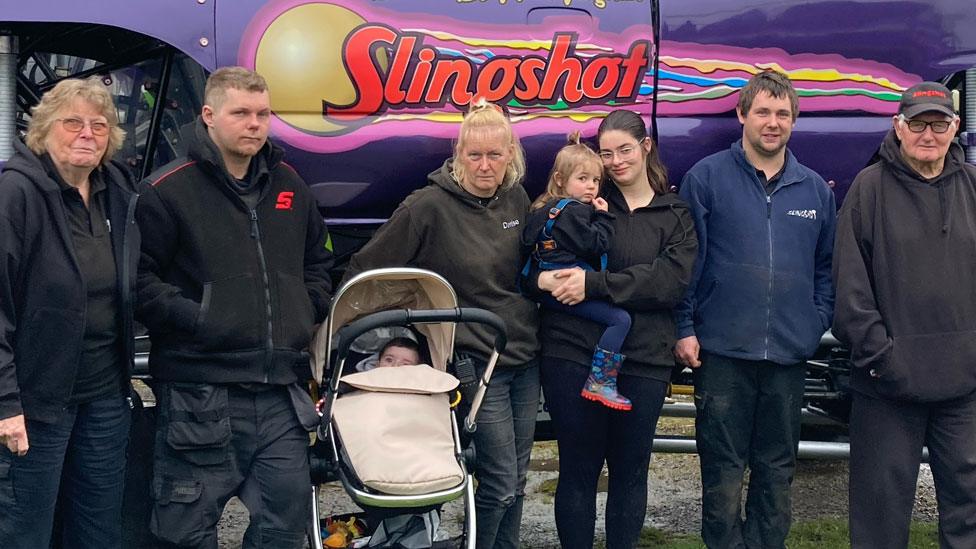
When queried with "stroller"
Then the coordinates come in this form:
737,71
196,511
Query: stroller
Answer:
391,434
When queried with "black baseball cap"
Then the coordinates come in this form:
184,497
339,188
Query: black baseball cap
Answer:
926,97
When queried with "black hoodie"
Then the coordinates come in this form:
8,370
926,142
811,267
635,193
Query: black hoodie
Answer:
42,291
475,247
230,292
649,267
904,260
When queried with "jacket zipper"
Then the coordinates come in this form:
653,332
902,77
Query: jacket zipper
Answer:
769,294
130,218
256,235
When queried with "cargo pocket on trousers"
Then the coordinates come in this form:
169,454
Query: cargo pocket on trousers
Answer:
169,490
198,428
177,512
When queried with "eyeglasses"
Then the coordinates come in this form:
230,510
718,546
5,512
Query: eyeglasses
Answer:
918,126
624,152
75,125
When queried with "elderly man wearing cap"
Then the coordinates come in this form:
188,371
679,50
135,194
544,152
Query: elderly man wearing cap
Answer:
904,259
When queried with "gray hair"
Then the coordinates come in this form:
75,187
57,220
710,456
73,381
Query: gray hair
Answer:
90,90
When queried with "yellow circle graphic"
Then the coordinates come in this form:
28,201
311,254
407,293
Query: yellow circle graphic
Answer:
300,55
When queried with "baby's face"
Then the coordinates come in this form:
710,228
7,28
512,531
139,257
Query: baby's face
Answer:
398,356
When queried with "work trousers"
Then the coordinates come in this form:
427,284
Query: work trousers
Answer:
217,441
747,415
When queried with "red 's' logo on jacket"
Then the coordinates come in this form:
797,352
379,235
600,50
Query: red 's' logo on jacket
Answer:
284,200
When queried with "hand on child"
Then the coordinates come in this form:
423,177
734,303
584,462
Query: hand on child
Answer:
600,204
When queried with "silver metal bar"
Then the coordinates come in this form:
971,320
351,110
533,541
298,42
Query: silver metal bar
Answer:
809,449
316,530
470,422
472,522
687,409
8,95
970,137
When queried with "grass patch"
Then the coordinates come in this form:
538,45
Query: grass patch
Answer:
817,534
548,486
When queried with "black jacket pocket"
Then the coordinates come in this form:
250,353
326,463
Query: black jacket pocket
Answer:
232,315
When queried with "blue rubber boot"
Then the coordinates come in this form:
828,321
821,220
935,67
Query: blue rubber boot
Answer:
601,386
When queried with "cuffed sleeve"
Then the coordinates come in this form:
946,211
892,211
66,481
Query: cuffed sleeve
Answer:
319,260
823,289
857,320
699,202
11,246
583,231
159,305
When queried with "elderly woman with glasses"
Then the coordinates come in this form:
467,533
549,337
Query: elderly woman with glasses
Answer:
68,250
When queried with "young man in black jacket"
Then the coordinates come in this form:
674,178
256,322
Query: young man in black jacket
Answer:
905,288
232,279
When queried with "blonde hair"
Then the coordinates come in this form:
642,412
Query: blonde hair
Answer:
237,78
574,154
92,91
487,116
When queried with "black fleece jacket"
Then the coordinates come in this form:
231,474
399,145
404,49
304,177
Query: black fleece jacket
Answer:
42,292
581,233
648,270
230,293
903,266
475,247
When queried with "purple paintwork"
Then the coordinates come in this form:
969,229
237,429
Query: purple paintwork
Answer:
876,48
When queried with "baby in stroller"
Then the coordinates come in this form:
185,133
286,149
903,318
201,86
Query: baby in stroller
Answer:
393,434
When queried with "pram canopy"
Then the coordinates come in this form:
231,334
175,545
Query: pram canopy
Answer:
382,290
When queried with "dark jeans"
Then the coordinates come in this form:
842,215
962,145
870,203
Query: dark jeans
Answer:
886,449
748,415
216,441
616,320
589,434
82,458
503,445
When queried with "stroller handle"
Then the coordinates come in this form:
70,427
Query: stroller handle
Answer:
399,317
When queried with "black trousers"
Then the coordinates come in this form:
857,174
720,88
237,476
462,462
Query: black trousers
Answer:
886,450
216,441
748,415
590,434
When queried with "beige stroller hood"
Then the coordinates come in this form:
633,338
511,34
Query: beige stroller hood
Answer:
385,289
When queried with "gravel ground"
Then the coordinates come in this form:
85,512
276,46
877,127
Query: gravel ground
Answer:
819,491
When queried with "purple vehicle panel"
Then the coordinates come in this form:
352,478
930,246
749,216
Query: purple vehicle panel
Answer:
367,94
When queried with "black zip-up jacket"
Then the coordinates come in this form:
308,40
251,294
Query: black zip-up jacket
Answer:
475,247
649,268
581,233
230,294
903,266
42,294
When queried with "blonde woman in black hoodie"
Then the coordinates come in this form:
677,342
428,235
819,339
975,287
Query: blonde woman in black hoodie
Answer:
906,304
465,225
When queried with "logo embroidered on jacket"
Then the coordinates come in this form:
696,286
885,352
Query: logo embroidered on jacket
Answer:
510,224
805,214
284,200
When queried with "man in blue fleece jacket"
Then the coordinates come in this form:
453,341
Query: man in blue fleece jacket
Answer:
759,301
